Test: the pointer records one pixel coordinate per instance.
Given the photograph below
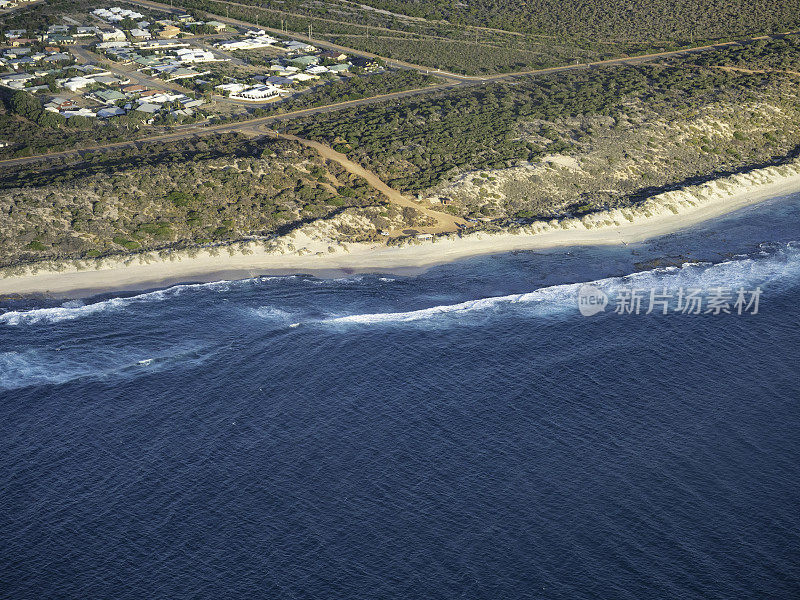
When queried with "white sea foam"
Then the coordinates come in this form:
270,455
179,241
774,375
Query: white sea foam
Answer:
75,309
39,366
781,266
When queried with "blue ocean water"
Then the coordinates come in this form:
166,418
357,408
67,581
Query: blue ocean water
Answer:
464,433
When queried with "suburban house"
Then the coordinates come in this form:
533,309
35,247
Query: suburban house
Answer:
112,35
169,31
148,108
111,111
58,38
58,57
305,61
193,55
58,104
258,92
278,80
140,34
134,89
303,77
82,31
80,112
316,70
295,46
334,55
74,84
231,88
363,62
108,96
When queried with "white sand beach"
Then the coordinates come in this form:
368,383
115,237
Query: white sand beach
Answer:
659,215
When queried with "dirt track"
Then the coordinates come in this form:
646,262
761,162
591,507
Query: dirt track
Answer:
444,221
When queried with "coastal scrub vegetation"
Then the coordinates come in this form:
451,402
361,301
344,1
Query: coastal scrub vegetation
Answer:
418,142
682,119
490,36
205,192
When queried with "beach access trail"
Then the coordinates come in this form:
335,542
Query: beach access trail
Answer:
444,222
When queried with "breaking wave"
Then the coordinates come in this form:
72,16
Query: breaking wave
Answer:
781,266
76,309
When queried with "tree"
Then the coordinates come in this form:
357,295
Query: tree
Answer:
25,105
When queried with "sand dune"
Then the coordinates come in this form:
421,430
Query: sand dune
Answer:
658,215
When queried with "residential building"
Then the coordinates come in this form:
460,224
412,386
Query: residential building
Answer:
295,46
80,112
82,31
258,92
232,88
194,55
112,35
334,55
148,108
305,61
316,70
111,111
169,31
108,96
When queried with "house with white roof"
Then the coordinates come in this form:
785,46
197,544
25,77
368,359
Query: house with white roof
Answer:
80,112
74,84
258,92
194,55
232,88
112,35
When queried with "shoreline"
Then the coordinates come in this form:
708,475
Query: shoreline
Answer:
659,215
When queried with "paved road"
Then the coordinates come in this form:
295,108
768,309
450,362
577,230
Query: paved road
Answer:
255,126
455,76
129,73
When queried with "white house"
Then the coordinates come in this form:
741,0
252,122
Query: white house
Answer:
75,83
80,112
258,92
232,88
193,55
113,35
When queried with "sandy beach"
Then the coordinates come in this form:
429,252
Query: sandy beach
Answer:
659,215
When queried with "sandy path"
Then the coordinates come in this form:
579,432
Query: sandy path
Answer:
444,222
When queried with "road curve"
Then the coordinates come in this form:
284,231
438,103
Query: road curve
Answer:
253,126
